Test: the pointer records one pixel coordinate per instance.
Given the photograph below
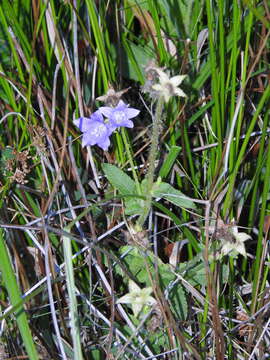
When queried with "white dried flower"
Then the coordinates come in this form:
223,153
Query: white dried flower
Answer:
137,297
237,245
168,87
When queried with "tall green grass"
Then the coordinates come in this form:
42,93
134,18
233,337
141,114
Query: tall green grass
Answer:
56,59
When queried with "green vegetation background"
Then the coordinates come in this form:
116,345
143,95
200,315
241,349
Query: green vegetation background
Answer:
56,58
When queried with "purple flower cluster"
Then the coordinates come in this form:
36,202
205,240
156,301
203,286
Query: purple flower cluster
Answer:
97,131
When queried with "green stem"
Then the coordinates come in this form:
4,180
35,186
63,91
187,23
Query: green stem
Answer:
130,158
152,160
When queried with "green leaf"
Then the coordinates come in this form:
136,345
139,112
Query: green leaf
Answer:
157,339
165,273
12,287
7,154
166,191
96,354
119,180
135,263
169,161
194,271
179,302
179,13
134,206
135,58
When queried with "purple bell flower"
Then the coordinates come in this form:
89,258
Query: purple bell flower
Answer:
95,131
119,116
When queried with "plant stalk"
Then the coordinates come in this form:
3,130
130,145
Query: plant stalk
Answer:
151,161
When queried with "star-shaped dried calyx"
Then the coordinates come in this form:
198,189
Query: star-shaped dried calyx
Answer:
151,77
168,87
232,241
150,70
112,97
236,246
138,298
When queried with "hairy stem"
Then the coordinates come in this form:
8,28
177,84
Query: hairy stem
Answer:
152,160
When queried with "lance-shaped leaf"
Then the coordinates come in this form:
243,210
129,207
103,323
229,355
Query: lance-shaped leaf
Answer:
166,191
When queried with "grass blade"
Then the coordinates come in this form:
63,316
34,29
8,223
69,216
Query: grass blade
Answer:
15,297
73,313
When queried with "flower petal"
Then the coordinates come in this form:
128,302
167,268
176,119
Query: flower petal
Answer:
240,247
97,133
87,139
176,80
226,248
111,127
106,111
167,87
121,104
133,287
234,230
118,116
83,123
157,87
126,123
136,308
131,112
126,299
104,143
241,237
179,92
151,301
163,77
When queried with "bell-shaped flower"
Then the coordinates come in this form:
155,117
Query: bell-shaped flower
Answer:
119,116
95,130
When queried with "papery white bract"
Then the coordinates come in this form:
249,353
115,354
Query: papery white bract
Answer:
168,87
237,245
137,297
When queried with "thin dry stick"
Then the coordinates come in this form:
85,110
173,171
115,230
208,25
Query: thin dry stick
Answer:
58,66
58,175
220,344
98,314
60,233
166,312
135,333
50,295
265,329
121,309
112,317
81,189
257,59
76,57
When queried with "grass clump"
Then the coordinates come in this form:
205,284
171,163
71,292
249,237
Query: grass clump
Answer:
134,167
